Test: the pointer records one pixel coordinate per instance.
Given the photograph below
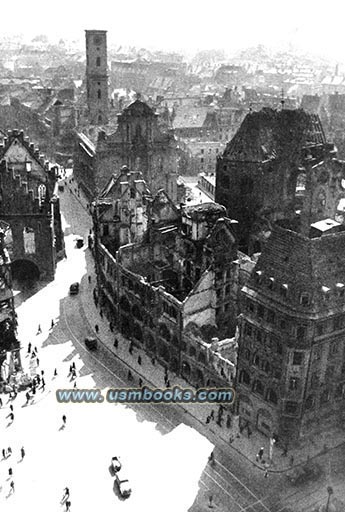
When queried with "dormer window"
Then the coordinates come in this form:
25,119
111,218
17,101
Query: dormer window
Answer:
284,290
326,292
340,289
258,276
304,299
271,283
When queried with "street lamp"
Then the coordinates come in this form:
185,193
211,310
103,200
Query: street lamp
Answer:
330,492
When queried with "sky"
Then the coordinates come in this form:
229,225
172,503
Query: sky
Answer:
311,25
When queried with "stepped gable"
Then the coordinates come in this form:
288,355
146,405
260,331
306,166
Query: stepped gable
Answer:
303,265
34,152
274,134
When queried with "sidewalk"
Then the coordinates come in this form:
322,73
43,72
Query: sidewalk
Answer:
153,376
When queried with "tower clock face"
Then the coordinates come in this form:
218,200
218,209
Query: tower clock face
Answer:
97,40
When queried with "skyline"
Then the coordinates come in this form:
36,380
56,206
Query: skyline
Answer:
192,26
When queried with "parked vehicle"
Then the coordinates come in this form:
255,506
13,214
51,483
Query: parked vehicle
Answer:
116,464
91,343
123,485
74,289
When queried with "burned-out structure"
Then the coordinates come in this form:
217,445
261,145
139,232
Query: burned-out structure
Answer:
279,165
175,287
30,205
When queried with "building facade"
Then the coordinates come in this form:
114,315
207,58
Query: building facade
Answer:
10,362
30,205
278,166
291,361
97,76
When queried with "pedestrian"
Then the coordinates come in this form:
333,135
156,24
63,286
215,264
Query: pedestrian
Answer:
55,372
130,376
140,383
70,370
96,328
66,493
212,415
9,451
207,420
42,373
266,473
22,452
75,384
27,394
101,313
11,407
210,501
168,383
43,385
10,472
130,350
89,279
38,379
39,330
231,440
37,361
74,374
64,419
29,348
291,460
139,360
3,451
116,343
68,505
0,402
153,361
52,324
73,365
12,486
11,415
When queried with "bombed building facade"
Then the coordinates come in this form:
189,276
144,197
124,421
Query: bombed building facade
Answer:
175,288
29,204
278,166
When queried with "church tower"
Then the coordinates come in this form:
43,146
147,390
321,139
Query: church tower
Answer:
97,76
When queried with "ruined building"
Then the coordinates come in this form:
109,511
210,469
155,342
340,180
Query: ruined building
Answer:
291,361
174,288
29,205
278,166
139,143
97,76
10,362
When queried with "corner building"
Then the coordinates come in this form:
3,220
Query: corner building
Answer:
291,361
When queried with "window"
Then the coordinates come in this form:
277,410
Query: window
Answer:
284,290
261,311
258,387
293,384
272,396
98,61
244,377
300,333
202,151
297,358
304,299
291,407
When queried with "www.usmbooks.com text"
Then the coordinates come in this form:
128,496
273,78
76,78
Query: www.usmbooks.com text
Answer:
147,395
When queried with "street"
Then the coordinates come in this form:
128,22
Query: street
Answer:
162,452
